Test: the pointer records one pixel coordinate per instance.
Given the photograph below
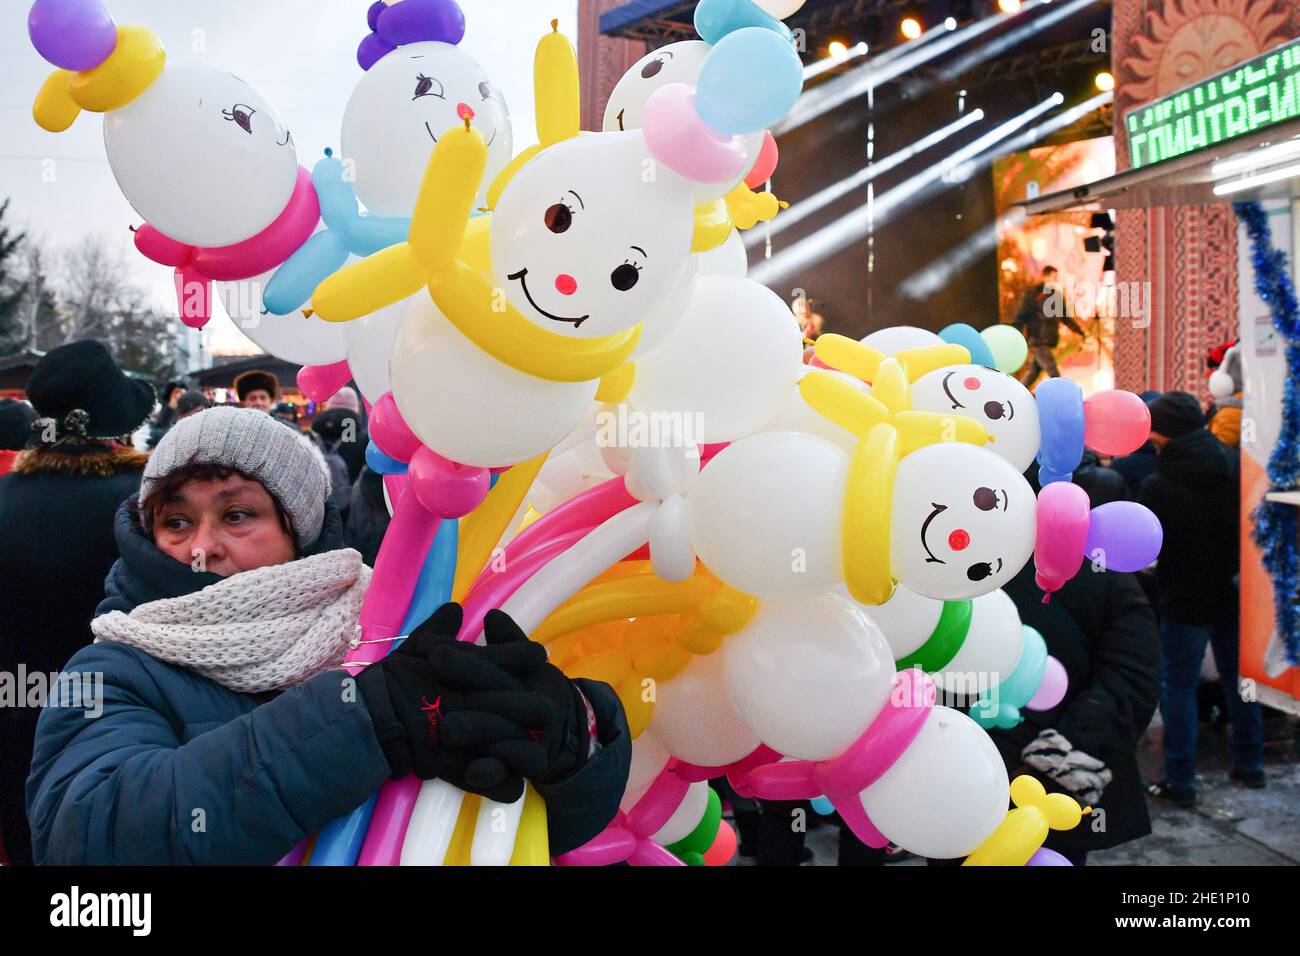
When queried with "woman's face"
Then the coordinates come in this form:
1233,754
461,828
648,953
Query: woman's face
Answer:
224,527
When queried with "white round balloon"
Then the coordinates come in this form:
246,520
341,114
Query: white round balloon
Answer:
675,63
728,365
730,258
399,109
765,515
945,794
293,337
202,156
808,676
907,620
997,401
693,718
370,346
899,337
467,406
648,760
780,8
991,649
963,521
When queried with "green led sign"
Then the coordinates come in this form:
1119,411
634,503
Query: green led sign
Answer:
1262,92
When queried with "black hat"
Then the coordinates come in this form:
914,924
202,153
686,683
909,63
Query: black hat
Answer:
254,379
1175,414
82,389
190,401
15,424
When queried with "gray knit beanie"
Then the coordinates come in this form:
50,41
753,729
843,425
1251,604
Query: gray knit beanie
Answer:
254,444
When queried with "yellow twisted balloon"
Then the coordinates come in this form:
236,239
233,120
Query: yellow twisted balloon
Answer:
133,65
1021,834
629,627
888,430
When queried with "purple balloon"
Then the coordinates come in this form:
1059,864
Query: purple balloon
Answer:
416,21
72,34
1127,535
1052,688
1046,857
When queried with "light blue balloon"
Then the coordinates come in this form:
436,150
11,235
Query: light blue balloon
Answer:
348,232
822,807
749,81
1001,707
965,335
1060,417
381,464
715,19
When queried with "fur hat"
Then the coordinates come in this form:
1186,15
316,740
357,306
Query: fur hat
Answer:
255,379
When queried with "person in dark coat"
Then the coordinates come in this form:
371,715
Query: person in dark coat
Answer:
225,731
56,521
1102,630
1041,312
1195,493
368,517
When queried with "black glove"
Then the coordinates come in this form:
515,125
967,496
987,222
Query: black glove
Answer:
478,732
567,741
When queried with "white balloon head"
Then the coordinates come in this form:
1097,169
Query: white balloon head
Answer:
585,243
399,109
996,400
963,521
202,156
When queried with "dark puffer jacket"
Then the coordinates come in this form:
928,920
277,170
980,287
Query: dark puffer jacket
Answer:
56,519
178,769
1100,627
1196,494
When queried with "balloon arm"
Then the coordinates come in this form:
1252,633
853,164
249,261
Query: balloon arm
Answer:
388,276
318,258
397,568
565,575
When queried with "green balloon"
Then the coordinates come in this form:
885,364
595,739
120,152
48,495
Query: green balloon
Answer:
1008,346
698,841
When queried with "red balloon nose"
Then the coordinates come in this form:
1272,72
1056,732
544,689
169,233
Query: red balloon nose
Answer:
464,111
566,285
972,383
959,540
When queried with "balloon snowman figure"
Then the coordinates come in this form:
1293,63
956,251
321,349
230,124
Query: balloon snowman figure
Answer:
200,154
416,83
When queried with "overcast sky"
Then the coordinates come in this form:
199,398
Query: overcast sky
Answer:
299,54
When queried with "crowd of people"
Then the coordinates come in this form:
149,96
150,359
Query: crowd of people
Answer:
213,584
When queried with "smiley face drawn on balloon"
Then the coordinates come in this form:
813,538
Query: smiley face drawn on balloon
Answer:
585,243
998,401
963,521
202,156
400,108
674,63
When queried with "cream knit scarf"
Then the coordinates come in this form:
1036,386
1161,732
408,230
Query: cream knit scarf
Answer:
265,629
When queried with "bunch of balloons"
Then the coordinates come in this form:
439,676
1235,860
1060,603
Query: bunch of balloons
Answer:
586,414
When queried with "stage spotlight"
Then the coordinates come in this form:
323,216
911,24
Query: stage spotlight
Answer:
910,27
950,23
1105,82
1009,6
838,49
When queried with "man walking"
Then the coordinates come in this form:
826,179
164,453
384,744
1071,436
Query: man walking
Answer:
1041,312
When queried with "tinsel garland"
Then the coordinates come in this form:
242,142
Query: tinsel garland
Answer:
1275,522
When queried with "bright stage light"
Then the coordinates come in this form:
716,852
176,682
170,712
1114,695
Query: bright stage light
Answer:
892,63
1105,82
910,27
1009,6
838,54
950,23
825,197
853,226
